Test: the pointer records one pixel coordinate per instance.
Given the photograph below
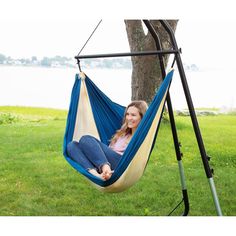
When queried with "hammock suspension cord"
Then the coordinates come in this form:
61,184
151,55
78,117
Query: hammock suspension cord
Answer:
78,61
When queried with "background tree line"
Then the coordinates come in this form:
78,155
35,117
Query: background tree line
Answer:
63,61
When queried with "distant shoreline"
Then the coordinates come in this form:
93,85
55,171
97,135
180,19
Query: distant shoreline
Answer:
35,66
66,62
63,67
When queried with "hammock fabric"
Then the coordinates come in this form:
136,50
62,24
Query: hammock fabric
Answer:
92,112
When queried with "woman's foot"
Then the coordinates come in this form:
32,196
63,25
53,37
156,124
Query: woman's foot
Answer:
106,172
95,173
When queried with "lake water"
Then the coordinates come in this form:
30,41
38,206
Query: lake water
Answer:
51,87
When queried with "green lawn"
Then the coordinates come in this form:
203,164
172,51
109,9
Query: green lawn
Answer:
35,179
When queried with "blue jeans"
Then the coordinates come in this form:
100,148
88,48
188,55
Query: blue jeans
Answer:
91,153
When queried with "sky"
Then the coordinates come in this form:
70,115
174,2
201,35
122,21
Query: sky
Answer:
50,28
207,43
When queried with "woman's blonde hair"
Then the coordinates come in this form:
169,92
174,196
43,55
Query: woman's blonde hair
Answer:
124,130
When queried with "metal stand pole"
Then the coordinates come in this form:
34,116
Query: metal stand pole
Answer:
172,120
193,117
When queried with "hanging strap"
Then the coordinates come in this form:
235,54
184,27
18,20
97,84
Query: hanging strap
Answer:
78,61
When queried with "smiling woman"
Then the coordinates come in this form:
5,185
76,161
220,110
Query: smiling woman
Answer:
133,115
100,159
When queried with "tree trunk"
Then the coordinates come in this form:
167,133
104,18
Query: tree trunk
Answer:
146,73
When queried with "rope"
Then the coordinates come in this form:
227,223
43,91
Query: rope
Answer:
173,63
78,61
90,37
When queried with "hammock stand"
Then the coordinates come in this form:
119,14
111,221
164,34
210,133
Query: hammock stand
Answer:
177,58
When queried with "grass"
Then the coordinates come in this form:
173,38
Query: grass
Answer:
35,180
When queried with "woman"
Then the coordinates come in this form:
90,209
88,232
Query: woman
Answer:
100,159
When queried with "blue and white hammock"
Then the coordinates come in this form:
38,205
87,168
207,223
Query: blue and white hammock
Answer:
92,112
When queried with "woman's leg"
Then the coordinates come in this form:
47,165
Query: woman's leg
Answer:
92,154
112,156
103,157
77,155
97,152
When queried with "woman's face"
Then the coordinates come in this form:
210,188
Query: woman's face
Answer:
133,117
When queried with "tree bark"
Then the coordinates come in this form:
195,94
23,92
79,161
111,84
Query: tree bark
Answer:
146,73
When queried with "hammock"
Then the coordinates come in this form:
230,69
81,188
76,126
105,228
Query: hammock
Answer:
92,112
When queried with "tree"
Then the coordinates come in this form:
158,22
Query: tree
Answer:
146,73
